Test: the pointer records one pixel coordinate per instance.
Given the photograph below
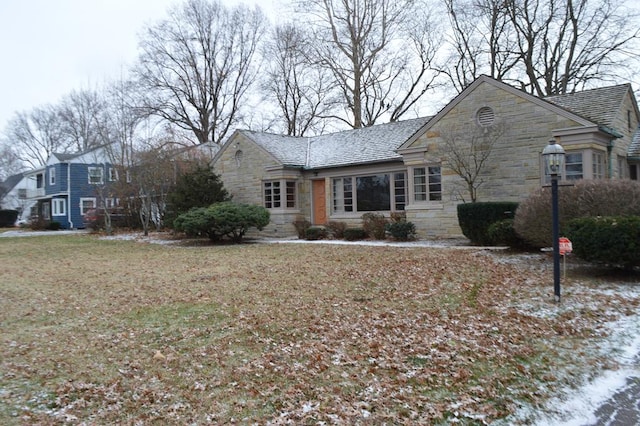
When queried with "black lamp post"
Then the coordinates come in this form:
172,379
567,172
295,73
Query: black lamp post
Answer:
553,155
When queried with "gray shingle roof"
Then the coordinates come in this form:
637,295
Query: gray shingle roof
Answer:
358,146
599,105
634,148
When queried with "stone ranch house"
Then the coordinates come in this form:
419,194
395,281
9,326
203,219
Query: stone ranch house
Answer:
407,166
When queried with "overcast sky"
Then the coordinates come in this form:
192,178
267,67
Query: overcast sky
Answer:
51,47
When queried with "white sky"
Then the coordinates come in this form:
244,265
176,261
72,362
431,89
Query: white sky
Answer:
51,47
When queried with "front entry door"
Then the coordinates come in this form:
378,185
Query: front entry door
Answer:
319,203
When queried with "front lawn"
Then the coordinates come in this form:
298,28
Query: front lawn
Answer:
106,331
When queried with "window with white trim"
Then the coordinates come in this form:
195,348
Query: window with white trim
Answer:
427,183
52,176
113,174
59,207
379,192
87,204
95,175
275,198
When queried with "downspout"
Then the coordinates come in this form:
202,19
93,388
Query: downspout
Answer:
69,196
609,152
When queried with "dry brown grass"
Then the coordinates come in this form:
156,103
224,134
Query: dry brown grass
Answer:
100,332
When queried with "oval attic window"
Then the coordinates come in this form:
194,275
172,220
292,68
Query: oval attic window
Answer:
485,116
238,157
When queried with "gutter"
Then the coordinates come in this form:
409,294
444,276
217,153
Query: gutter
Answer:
69,196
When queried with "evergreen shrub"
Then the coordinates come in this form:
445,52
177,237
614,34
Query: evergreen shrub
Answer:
354,234
476,218
610,240
8,218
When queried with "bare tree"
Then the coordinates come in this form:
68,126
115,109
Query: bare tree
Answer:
565,45
82,119
198,65
481,41
466,154
301,90
545,47
10,164
33,136
364,45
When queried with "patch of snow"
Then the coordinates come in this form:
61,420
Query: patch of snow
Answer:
578,407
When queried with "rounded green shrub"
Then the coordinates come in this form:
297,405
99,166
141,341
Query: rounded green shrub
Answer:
402,230
354,234
225,219
502,233
607,240
476,218
315,233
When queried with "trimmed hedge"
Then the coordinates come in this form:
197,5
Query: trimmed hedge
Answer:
476,218
611,240
8,218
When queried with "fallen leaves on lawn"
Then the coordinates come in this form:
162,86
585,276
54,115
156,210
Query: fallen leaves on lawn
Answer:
131,333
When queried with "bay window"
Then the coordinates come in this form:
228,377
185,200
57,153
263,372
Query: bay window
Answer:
280,194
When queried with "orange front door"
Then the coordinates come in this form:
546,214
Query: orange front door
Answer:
319,203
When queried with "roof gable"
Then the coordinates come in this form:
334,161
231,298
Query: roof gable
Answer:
484,79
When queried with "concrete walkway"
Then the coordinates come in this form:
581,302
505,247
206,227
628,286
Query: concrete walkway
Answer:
25,233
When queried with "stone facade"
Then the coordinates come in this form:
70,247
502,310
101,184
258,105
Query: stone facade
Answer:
517,126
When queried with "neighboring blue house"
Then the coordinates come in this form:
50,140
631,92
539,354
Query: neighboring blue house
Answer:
69,185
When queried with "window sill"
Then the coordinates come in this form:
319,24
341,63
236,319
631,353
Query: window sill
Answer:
425,206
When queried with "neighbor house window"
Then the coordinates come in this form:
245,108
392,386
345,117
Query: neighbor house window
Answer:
46,210
113,174
87,204
573,166
598,165
95,175
59,207
379,192
52,176
278,194
427,183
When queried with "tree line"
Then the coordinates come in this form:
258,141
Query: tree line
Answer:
207,69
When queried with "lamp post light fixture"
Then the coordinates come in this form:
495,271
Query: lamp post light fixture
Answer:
553,155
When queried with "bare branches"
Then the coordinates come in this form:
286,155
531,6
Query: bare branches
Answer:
198,64
363,44
545,47
466,154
